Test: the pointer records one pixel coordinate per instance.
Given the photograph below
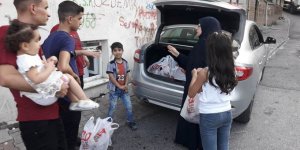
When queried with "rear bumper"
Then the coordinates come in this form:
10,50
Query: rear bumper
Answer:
170,99
240,101
169,95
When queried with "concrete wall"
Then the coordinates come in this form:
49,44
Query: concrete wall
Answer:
267,12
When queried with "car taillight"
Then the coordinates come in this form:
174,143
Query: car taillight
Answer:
137,55
243,73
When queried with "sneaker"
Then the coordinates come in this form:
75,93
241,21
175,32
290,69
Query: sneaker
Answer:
132,125
74,106
83,105
89,104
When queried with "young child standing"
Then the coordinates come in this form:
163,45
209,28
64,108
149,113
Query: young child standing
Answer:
216,83
118,72
42,75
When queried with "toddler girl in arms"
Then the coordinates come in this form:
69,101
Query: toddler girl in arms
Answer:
43,76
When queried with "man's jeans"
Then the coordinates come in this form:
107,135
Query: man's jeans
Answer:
113,98
215,130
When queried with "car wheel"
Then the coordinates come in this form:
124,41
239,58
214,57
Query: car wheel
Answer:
245,116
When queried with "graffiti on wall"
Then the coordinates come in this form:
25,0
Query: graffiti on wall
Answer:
128,4
143,24
143,33
147,12
89,20
137,26
92,15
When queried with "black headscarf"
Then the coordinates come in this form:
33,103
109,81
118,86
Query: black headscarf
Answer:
197,56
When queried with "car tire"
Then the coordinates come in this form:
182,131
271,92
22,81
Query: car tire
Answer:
246,115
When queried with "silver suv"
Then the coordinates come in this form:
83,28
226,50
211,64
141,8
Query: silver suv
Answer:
177,20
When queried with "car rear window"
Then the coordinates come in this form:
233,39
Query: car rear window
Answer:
179,35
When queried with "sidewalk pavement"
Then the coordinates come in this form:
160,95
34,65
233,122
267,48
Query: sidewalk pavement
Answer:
10,138
279,31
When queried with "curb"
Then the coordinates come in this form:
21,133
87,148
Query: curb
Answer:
5,125
274,50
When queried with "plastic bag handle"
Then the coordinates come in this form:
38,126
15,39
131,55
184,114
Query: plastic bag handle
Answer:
91,118
107,118
98,122
114,124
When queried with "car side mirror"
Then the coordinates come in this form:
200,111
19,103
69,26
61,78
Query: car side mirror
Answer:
270,40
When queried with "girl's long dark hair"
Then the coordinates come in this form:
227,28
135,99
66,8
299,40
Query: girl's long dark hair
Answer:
220,62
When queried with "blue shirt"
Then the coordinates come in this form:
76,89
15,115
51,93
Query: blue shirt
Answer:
60,41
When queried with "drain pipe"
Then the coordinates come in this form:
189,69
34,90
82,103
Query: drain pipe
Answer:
266,24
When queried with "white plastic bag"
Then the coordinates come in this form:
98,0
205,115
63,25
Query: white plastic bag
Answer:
87,134
101,137
97,136
160,67
104,129
190,110
167,67
178,73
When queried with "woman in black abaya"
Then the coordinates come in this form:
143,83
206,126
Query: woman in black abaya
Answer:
187,134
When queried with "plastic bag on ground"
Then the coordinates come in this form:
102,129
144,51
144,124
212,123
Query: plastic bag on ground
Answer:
100,137
105,128
86,135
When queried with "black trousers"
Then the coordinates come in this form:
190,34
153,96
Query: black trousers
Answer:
81,80
43,135
71,121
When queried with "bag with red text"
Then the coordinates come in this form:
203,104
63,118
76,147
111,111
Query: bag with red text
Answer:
100,137
105,128
190,110
86,136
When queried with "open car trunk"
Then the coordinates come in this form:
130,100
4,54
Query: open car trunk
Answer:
175,12
232,18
